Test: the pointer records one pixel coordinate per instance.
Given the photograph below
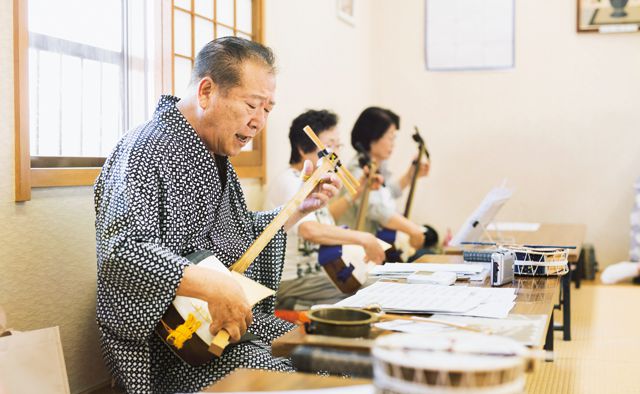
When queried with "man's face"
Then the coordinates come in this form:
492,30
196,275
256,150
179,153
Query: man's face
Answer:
232,118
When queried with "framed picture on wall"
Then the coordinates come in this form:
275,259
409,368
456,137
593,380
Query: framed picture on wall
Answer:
469,35
346,11
608,16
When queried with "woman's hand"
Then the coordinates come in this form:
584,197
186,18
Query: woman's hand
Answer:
416,239
423,168
372,248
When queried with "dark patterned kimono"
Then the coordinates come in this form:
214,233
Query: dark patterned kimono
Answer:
161,195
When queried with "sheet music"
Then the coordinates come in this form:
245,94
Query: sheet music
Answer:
409,268
526,329
471,271
425,298
475,226
513,226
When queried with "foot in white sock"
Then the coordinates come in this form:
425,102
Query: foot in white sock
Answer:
619,272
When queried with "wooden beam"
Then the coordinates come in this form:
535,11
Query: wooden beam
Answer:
249,171
21,100
52,177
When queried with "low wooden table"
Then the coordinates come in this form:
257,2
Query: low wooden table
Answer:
554,234
261,380
534,296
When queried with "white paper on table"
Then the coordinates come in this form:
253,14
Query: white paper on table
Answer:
481,276
493,310
496,303
425,298
526,329
417,298
33,362
413,327
409,268
513,226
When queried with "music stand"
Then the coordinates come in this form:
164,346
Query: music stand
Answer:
477,222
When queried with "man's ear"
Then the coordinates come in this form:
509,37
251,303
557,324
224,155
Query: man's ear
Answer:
206,89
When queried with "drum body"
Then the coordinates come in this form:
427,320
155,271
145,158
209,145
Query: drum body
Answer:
184,327
453,362
193,349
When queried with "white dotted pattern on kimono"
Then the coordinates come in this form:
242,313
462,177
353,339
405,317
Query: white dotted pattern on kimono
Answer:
158,198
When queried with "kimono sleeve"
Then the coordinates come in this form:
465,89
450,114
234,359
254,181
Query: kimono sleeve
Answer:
137,276
268,270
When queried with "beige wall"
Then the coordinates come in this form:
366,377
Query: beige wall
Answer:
323,63
563,126
47,248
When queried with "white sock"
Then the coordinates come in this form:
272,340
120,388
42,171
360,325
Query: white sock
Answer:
619,272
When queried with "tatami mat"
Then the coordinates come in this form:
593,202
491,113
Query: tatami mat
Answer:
604,353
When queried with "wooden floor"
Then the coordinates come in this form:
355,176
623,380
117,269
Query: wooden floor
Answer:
604,353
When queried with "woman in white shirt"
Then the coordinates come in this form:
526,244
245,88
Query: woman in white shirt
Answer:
304,282
375,132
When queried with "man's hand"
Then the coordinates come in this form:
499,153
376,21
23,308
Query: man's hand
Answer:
372,248
229,310
227,303
324,191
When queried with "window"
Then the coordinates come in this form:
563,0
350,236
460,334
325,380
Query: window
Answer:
195,23
80,82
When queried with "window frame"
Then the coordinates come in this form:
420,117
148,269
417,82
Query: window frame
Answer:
249,164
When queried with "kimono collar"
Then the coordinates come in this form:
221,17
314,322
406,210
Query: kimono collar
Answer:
167,112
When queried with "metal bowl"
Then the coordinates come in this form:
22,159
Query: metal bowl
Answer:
341,322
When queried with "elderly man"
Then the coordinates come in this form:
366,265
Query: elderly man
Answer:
168,190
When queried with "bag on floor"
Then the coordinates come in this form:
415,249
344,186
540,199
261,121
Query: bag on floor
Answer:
32,362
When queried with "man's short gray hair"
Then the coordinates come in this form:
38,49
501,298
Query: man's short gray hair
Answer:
222,58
